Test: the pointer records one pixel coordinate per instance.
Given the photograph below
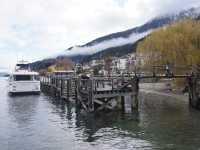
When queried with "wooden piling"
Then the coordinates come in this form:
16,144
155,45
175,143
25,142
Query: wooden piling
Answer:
193,87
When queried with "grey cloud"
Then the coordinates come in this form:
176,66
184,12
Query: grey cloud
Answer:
54,25
107,44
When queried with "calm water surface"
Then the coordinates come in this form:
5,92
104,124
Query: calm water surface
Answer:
43,123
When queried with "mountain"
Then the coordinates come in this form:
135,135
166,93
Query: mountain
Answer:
122,43
43,64
4,72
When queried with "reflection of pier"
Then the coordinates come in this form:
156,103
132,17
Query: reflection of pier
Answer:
115,92
100,93
97,93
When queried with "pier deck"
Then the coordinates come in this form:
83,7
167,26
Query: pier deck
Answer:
112,92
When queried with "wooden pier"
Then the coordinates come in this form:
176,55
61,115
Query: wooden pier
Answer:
96,93
61,87
110,93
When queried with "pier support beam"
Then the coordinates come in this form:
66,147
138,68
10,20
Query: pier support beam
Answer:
120,102
194,93
135,90
135,103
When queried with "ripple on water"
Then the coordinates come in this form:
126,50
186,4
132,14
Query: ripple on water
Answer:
43,123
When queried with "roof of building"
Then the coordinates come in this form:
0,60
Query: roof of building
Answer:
24,72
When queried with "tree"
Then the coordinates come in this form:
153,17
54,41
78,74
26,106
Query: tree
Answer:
51,69
64,64
177,44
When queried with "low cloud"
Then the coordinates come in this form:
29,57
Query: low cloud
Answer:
39,28
104,45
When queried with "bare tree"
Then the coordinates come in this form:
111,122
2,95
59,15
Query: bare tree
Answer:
64,64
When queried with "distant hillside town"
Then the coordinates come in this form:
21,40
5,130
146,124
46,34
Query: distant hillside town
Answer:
109,65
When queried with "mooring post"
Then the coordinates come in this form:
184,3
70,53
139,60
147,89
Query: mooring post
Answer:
68,88
95,85
44,80
56,83
61,88
90,96
76,88
48,80
135,90
194,99
51,83
112,82
122,103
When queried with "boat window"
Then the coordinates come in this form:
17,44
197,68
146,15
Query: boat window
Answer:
22,77
36,78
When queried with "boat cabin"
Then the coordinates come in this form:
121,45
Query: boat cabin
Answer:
24,82
25,76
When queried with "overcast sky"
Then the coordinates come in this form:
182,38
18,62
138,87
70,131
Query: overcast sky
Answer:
34,29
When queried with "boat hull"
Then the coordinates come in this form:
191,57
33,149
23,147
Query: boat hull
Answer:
24,93
24,87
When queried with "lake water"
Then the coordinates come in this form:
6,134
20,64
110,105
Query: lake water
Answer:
43,123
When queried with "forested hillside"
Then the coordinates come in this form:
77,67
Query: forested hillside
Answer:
176,44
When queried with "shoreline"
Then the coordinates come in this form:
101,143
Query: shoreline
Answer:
162,89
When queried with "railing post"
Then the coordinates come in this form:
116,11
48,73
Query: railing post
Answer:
90,95
61,88
95,85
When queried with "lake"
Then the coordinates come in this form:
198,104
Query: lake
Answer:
43,123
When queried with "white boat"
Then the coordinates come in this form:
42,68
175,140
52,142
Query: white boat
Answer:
22,80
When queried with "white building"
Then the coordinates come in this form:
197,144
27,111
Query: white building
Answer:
122,63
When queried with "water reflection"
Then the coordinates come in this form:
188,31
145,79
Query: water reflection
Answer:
169,122
42,122
101,129
22,109
161,123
